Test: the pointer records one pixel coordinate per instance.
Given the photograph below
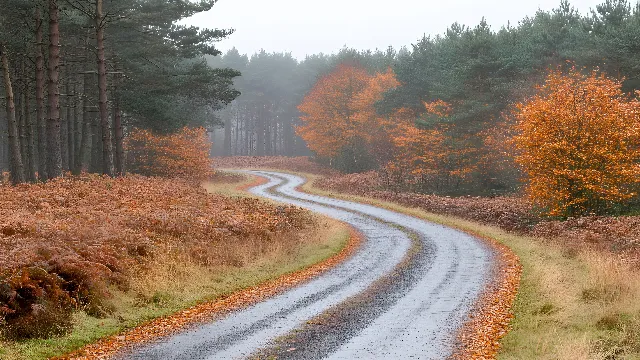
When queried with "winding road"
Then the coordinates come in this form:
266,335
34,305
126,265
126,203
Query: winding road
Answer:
404,294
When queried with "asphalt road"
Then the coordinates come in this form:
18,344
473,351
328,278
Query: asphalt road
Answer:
402,295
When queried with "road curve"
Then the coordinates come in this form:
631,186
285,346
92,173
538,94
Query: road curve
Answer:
403,294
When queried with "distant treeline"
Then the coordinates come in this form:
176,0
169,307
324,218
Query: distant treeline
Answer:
479,71
261,121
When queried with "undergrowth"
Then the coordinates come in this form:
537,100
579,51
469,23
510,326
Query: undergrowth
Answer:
96,255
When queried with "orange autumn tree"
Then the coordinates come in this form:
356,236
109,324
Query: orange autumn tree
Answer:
374,128
339,117
184,154
427,155
329,109
419,151
578,140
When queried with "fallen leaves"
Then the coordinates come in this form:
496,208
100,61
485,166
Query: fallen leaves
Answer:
489,321
209,311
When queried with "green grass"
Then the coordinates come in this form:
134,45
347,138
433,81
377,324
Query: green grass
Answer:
570,305
171,285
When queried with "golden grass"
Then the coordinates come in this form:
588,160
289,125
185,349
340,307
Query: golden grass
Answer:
570,305
172,282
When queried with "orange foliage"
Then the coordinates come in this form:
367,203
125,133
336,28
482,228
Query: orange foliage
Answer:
578,139
424,155
339,111
181,155
328,122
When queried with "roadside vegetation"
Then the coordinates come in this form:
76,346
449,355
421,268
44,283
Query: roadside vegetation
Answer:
574,301
86,257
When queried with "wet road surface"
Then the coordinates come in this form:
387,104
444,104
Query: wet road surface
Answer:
403,294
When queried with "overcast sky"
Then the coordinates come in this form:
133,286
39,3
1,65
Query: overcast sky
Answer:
312,26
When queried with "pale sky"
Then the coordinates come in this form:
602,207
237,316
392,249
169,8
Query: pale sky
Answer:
307,27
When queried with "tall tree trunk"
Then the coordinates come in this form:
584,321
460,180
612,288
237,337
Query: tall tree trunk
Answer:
40,119
17,168
30,164
260,132
107,149
4,143
287,134
237,131
247,132
227,137
117,129
77,127
81,156
19,95
54,157
71,124
86,134
96,146
64,121
266,123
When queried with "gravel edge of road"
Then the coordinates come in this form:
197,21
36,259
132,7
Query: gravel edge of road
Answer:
490,318
208,311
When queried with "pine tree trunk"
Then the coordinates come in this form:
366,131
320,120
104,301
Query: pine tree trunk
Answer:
260,132
237,131
64,123
19,94
81,156
107,149
54,157
30,164
86,134
96,146
40,119
117,129
266,124
71,123
77,127
17,169
287,134
227,137
4,146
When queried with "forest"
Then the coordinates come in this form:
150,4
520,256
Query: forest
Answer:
78,76
57,95
478,75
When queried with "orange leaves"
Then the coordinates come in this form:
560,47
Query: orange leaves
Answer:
429,154
339,114
339,110
329,110
578,141
181,155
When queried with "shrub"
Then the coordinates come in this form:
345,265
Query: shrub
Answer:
34,305
184,154
579,140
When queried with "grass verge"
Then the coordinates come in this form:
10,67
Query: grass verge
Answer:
171,283
570,304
